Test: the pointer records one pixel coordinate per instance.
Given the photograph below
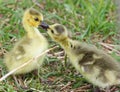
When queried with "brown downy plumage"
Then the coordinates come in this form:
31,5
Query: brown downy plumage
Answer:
31,45
95,65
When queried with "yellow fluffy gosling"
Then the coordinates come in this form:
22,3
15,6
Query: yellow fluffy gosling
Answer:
31,45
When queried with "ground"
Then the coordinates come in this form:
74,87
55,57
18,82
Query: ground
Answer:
91,21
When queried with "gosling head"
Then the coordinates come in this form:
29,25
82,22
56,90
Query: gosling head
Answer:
33,18
57,32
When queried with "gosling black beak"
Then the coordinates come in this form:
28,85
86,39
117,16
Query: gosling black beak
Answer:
44,25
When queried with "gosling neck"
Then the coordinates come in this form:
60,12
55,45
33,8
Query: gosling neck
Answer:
31,31
65,43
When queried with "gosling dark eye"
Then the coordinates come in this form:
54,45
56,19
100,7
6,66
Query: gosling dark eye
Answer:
71,46
36,19
52,31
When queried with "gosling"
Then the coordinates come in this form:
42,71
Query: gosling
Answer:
31,45
95,65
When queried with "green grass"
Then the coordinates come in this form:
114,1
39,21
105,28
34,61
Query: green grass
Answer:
88,17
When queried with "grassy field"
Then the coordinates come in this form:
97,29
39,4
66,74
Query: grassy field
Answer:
92,21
